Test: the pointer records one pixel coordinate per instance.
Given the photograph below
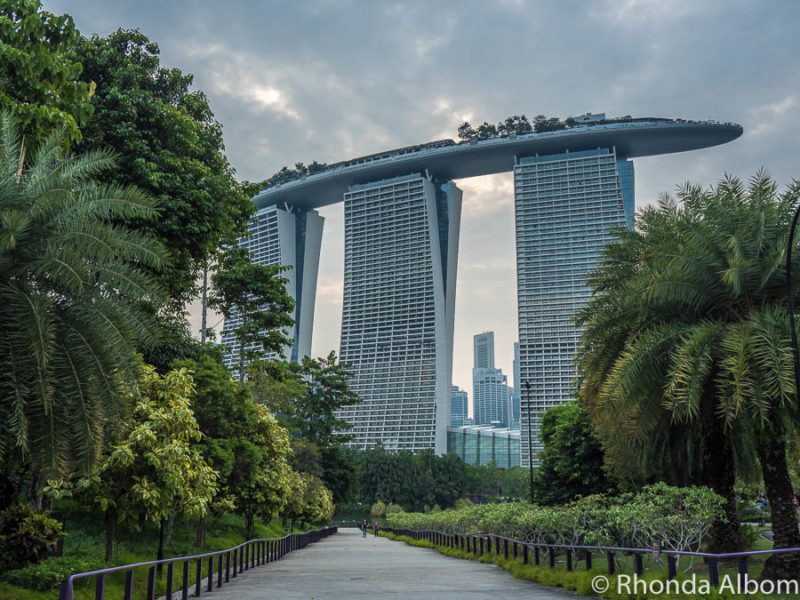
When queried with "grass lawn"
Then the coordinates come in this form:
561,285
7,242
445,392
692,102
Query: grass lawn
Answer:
85,539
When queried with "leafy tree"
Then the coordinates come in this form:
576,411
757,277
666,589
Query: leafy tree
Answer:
40,86
170,145
256,296
515,125
571,464
311,502
151,468
311,415
688,324
72,288
260,477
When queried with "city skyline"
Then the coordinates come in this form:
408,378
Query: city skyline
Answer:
284,98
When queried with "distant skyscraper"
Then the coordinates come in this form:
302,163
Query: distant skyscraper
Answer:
459,407
284,237
566,205
483,345
491,395
401,247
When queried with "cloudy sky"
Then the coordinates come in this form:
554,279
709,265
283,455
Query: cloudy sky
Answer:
329,80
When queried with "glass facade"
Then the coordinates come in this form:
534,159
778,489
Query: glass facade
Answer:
566,206
401,247
481,445
283,236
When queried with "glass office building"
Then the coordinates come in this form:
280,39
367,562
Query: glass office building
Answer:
401,247
284,236
566,207
459,407
480,445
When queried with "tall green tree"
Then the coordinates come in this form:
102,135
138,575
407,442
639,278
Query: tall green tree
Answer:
688,324
255,297
170,145
72,286
571,464
150,467
39,82
311,415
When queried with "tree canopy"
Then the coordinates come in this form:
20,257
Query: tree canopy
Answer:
688,329
169,145
72,288
40,79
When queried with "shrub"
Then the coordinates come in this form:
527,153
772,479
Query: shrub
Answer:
378,509
50,573
393,509
463,503
27,535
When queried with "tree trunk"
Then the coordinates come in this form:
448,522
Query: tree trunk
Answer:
160,554
170,527
778,485
241,345
111,529
204,305
201,532
719,473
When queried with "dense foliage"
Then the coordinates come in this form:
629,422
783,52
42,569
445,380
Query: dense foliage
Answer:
72,286
169,145
686,358
571,464
680,517
40,86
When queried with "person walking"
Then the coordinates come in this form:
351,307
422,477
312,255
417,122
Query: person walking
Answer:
375,528
364,527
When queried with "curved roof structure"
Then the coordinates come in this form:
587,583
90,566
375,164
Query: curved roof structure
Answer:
447,159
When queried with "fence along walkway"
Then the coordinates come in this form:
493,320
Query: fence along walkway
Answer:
345,566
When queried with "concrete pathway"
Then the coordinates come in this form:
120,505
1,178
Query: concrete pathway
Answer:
345,566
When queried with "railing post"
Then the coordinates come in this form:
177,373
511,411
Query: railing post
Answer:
227,567
743,567
552,553
569,559
536,558
713,572
170,573
128,592
99,588
62,591
151,583
199,573
185,583
610,558
672,567
524,554
638,568
505,548
219,570
588,558
210,585
235,562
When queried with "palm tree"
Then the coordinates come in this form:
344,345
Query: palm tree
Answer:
75,295
688,329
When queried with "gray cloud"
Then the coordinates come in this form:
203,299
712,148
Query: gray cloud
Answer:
329,80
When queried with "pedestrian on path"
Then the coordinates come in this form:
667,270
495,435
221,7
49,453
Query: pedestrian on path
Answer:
364,527
375,528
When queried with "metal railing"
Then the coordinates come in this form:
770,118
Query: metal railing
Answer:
480,544
237,560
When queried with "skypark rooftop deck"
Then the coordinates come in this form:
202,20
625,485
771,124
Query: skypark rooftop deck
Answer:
446,159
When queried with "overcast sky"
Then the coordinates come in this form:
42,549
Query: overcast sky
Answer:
330,80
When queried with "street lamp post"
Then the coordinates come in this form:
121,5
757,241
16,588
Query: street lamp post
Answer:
527,385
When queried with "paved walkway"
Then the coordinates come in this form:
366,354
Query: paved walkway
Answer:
344,566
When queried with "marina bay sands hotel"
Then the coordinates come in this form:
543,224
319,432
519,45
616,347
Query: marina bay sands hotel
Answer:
572,187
